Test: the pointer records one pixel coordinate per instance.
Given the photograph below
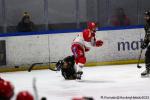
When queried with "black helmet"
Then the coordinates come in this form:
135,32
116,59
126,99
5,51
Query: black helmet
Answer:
147,13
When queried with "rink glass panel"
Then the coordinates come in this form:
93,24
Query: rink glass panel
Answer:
143,6
16,8
1,20
69,14
130,9
62,15
134,9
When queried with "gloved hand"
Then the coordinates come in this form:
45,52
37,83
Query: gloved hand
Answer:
99,43
87,49
59,65
144,45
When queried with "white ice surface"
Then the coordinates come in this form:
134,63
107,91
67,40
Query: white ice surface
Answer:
116,80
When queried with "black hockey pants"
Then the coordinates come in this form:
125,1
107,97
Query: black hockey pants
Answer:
147,58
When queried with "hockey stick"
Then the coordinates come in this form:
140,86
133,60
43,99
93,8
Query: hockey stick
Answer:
31,67
53,69
35,89
34,64
138,66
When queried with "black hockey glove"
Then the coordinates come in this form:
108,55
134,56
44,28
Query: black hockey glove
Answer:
144,45
59,65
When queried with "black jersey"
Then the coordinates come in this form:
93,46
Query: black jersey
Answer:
146,43
147,35
68,72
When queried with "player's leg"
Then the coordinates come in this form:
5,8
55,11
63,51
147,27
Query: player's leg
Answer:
147,63
80,60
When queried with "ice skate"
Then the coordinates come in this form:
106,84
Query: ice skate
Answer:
79,75
145,73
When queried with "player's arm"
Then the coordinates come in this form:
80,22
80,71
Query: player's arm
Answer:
146,38
96,43
64,74
145,43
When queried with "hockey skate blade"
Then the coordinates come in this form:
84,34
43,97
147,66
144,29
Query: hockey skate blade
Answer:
145,76
94,81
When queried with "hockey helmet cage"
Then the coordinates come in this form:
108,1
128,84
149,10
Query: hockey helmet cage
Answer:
91,25
147,13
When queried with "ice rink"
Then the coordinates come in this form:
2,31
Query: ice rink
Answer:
102,83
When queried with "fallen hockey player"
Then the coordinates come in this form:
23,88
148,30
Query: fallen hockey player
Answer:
66,66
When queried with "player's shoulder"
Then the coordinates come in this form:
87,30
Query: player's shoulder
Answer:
69,58
86,30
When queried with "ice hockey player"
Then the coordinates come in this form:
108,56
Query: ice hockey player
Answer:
79,46
6,90
67,67
24,95
145,44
